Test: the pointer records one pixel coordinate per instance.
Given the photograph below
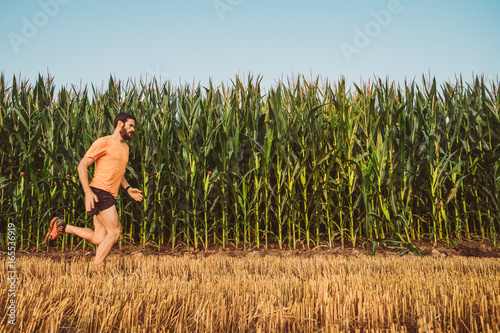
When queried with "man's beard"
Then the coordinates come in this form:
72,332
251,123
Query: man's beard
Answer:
125,135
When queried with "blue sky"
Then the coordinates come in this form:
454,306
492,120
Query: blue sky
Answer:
86,41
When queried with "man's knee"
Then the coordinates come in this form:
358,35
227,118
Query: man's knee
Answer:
115,233
97,240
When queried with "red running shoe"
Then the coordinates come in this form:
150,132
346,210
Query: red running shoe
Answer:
57,228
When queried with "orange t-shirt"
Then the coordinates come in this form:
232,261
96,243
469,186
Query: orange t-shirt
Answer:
111,158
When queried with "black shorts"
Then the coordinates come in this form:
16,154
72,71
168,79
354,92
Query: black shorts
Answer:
106,200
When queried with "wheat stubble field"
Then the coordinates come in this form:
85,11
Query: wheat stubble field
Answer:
255,293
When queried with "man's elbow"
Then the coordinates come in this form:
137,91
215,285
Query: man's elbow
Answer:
81,166
84,164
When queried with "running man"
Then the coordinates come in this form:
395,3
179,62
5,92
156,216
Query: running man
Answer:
110,153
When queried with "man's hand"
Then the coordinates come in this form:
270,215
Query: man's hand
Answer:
90,200
135,193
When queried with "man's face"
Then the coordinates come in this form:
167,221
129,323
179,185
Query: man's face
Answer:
127,129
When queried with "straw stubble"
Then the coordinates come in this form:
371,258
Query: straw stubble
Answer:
258,294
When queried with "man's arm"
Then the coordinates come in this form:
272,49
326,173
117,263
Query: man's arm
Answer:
135,193
90,197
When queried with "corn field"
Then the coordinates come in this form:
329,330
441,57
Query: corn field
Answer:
304,163
160,293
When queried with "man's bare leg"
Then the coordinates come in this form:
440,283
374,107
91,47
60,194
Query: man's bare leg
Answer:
94,236
107,231
109,219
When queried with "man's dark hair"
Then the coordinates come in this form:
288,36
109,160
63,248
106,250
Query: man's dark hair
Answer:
123,117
